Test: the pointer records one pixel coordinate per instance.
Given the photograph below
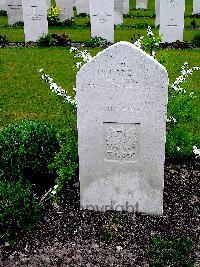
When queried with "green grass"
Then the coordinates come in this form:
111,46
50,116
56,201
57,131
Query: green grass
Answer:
25,95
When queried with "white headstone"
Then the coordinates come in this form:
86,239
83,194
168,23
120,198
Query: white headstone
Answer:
172,20
48,4
102,19
141,4
125,7
118,11
83,7
196,6
122,105
3,5
15,11
157,11
65,9
35,19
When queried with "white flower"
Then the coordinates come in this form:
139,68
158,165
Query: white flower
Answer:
196,151
73,49
178,148
78,65
149,31
55,186
40,70
172,119
153,54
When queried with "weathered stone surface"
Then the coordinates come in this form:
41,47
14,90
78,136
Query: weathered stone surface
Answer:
15,11
118,11
102,19
83,7
122,104
125,7
172,20
35,19
196,6
141,4
65,9
157,11
4,5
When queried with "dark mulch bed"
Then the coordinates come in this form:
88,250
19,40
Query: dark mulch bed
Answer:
69,237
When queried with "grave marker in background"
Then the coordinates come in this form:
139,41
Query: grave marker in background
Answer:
102,19
83,7
122,105
15,11
157,11
65,9
4,5
125,7
35,19
118,11
172,20
141,4
196,6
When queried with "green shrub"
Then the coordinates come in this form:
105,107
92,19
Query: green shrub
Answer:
196,40
170,252
45,41
20,209
66,160
26,150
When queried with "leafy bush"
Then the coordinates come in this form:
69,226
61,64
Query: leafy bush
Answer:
26,150
95,42
196,40
53,16
66,160
45,41
3,40
20,209
171,252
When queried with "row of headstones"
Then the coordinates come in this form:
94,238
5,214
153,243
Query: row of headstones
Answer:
103,15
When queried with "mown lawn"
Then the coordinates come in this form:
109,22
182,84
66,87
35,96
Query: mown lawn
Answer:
25,95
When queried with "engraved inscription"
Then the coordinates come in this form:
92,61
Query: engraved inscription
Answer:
173,3
102,16
121,141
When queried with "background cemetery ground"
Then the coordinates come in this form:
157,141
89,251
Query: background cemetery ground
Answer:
25,96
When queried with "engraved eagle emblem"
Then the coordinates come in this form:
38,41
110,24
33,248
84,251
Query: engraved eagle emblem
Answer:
121,142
